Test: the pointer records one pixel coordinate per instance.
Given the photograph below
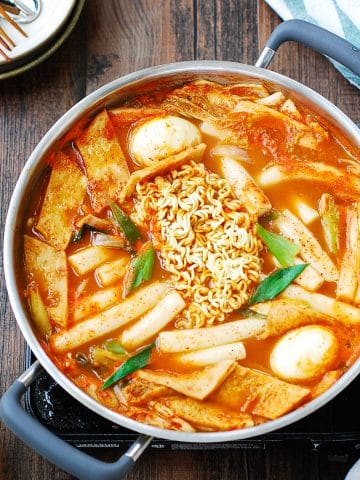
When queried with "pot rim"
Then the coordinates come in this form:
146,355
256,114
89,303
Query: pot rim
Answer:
200,68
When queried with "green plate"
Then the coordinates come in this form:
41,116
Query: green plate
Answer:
21,67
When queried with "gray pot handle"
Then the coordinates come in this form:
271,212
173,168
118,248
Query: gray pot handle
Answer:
68,458
315,37
328,44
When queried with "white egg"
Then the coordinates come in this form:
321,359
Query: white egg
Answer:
304,353
161,137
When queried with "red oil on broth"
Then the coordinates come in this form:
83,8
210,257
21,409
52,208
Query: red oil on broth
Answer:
194,170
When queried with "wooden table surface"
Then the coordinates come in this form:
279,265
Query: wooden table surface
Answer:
112,38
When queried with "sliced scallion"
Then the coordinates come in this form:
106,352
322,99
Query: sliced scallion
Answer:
275,283
115,347
140,268
78,235
282,249
139,360
106,240
102,356
127,227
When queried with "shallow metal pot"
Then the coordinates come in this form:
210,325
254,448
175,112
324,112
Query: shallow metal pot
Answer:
114,93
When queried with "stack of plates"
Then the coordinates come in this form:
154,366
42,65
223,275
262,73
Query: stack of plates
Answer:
45,35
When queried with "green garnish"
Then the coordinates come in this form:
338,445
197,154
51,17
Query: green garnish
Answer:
283,250
127,227
115,347
276,283
140,269
140,360
78,235
329,213
102,356
144,265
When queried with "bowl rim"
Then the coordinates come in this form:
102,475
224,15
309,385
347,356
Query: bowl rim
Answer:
61,127
47,48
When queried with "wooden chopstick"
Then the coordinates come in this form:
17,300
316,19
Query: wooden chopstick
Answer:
4,55
11,9
11,21
5,36
4,44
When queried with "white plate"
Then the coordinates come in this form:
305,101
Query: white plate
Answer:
28,62
52,17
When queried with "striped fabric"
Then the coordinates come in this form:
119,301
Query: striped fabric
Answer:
339,16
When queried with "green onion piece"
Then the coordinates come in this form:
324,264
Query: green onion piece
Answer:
106,240
140,360
102,356
39,313
140,269
127,227
329,214
78,235
247,312
283,250
144,265
115,347
276,283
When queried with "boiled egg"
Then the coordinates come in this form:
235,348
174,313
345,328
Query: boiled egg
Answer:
161,137
304,353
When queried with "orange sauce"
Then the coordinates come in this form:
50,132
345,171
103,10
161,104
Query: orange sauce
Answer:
268,142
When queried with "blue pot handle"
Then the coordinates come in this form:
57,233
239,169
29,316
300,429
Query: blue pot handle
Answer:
315,37
57,451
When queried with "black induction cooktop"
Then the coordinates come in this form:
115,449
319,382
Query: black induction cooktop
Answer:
335,427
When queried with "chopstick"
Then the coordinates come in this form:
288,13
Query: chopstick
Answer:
10,8
11,21
5,38
13,10
4,44
4,55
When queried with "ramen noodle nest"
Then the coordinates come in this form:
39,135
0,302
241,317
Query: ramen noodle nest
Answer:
191,258
206,240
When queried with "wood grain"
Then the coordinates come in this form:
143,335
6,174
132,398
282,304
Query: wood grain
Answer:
309,67
115,37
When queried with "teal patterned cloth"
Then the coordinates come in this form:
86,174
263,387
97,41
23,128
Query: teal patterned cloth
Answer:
339,16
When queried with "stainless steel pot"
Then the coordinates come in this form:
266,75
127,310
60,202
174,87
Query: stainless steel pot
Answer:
25,426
